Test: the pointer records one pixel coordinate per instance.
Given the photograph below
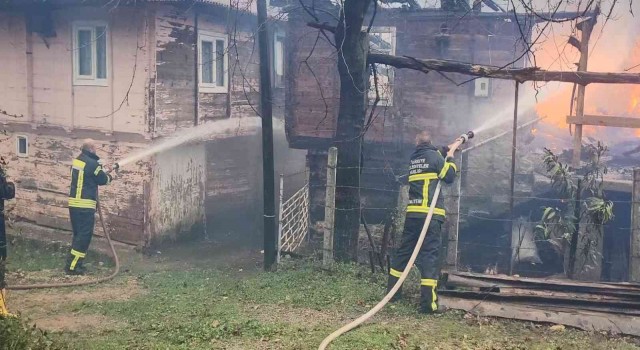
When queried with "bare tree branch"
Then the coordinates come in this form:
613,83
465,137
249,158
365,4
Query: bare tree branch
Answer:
632,67
322,26
547,18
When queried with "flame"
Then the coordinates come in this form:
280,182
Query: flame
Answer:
634,104
600,99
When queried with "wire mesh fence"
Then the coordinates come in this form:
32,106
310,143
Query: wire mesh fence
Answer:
293,221
490,236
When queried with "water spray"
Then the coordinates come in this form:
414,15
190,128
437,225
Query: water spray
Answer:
357,322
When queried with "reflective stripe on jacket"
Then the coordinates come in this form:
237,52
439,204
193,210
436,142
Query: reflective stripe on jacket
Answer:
86,176
427,166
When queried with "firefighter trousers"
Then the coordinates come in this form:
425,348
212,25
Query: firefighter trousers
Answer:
82,224
428,261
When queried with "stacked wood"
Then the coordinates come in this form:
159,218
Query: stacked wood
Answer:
610,307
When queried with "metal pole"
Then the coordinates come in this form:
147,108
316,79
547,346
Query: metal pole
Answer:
513,175
196,86
270,239
280,216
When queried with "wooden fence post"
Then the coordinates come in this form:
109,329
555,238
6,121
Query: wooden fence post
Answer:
330,207
450,262
634,246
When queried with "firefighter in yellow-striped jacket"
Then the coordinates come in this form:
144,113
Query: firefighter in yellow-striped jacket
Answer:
428,165
87,174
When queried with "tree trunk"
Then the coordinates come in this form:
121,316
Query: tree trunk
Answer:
352,66
573,246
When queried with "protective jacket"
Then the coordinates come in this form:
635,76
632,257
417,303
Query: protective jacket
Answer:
86,176
7,191
427,166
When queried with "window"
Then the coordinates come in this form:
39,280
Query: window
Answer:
382,40
22,146
482,87
90,53
212,59
278,60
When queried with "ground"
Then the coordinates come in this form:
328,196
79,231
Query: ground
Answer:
201,296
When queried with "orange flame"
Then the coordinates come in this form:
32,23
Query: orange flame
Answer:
634,104
600,99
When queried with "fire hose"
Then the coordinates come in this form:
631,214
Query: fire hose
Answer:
115,272
357,322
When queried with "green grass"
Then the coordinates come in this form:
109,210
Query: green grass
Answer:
15,334
29,255
294,308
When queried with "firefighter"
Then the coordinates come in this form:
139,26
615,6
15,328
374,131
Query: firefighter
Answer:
428,165
7,191
87,174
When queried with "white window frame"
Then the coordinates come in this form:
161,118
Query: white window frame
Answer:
213,87
279,36
26,138
478,92
90,80
371,94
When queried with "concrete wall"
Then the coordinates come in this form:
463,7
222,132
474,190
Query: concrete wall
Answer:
177,193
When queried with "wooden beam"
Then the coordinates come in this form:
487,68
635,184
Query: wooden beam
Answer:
605,120
585,320
517,74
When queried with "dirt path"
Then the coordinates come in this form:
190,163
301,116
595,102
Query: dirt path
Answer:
58,309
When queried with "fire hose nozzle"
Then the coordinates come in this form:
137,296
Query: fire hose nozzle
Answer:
467,136
116,167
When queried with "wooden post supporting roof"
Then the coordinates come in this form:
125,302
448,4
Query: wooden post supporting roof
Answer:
586,27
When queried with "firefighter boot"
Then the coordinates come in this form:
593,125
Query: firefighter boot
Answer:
428,297
390,283
74,266
4,312
394,276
